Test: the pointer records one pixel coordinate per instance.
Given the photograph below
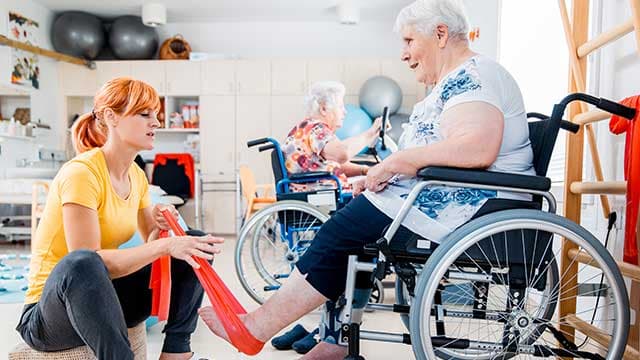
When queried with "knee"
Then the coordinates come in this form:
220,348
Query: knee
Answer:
84,262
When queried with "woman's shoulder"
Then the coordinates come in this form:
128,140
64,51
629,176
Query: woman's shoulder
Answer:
83,165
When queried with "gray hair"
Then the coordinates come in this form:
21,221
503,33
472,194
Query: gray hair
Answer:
325,93
425,15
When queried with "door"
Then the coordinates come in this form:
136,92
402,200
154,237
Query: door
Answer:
217,136
253,122
151,72
183,77
218,77
288,77
107,70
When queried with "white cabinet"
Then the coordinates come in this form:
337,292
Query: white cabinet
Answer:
219,210
183,77
286,112
150,71
217,137
218,77
323,70
77,80
253,122
253,77
107,70
399,71
357,71
288,77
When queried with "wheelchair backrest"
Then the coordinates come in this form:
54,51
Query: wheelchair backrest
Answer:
542,134
277,166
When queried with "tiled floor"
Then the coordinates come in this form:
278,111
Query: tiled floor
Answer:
207,344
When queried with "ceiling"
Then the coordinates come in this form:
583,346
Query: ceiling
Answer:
234,10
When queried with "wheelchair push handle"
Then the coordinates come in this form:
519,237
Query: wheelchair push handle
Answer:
255,142
616,108
266,147
601,103
564,124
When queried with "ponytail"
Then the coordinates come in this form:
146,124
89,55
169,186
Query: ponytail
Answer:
88,133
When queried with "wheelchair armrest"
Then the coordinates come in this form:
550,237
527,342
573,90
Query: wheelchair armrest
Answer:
484,177
307,175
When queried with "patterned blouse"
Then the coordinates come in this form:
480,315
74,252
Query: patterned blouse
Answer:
302,153
440,209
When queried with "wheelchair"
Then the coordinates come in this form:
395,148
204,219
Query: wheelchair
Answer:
274,238
495,287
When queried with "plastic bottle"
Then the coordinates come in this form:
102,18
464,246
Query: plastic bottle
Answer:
11,129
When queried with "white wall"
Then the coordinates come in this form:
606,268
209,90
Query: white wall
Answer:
320,39
43,101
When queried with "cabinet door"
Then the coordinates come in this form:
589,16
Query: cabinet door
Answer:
286,112
400,72
323,70
218,77
77,80
183,77
288,77
217,137
151,72
253,122
357,71
219,211
107,70
253,77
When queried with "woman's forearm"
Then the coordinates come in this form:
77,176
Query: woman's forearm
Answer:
122,262
355,144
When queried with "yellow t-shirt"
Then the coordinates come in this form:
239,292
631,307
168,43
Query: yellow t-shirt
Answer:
84,180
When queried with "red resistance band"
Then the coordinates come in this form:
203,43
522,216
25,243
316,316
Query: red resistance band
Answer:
225,305
160,284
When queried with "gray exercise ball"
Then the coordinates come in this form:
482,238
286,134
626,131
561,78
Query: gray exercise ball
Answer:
396,121
130,39
378,92
78,33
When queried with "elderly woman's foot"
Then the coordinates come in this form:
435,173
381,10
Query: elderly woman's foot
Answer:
326,351
210,318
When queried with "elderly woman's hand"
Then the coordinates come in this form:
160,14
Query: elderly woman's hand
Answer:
358,187
377,177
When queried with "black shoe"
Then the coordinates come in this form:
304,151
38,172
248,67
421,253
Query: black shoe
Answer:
286,340
305,344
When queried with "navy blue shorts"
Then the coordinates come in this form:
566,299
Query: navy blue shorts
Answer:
345,233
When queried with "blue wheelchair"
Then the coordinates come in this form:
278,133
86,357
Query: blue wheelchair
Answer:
274,238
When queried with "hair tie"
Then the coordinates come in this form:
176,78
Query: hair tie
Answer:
93,113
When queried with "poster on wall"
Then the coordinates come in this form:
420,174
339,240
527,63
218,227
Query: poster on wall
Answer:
24,64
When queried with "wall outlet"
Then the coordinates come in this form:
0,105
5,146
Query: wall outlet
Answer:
51,155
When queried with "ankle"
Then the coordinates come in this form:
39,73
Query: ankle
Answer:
257,328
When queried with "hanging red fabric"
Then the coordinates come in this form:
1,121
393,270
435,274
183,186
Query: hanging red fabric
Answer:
619,125
225,305
160,284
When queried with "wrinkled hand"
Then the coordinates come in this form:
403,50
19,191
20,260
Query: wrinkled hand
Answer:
185,247
161,222
358,187
377,178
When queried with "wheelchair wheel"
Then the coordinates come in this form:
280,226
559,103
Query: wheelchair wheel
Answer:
271,242
508,284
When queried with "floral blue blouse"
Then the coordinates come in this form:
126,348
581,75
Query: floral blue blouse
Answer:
440,209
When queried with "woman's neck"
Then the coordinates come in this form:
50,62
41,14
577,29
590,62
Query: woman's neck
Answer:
455,55
118,158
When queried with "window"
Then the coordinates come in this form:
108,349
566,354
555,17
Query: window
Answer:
532,48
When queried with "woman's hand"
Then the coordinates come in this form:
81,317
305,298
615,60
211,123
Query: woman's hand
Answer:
377,177
161,222
185,247
358,187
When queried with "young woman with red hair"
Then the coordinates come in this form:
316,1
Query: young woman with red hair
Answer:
83,289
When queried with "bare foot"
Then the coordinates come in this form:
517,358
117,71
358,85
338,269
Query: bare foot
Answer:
326,351
208,315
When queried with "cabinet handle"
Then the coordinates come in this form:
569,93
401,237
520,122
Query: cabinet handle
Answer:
230,87
168,86
239,87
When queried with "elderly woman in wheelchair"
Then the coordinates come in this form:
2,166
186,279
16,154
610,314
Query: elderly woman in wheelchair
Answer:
459,215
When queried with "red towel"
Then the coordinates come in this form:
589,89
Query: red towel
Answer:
618,125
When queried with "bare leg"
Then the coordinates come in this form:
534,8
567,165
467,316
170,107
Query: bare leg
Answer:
326,351
294,299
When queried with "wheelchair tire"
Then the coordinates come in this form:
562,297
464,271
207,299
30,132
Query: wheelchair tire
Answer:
266,229
454,255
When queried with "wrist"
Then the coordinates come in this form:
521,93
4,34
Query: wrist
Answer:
165,246
364,170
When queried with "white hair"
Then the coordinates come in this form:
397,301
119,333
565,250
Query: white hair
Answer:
425,15
321,93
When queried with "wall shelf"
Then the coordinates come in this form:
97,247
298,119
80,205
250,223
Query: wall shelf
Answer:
17,137
179,130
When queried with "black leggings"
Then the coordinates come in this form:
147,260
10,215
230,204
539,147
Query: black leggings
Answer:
81,305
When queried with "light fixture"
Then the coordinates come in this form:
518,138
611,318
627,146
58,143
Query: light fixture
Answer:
348,12
154,14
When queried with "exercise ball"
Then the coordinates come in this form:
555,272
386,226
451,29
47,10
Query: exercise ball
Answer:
396,121
378,92
130,39
77,33
355,122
